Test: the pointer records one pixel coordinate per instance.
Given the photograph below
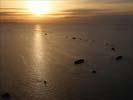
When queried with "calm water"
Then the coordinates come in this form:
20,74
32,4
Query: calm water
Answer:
32,53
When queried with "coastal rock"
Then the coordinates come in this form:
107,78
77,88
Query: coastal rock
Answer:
79,61
113,49
74,38
93,72
118,57
45,82
6,95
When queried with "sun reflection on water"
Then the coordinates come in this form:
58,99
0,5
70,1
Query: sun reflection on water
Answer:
37,56
38,46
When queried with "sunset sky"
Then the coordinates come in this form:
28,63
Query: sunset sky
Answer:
54,10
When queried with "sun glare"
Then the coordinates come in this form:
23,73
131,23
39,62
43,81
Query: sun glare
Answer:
38,7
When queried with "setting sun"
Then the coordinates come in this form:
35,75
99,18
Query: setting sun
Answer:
38,7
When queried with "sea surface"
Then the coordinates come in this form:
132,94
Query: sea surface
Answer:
37,61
